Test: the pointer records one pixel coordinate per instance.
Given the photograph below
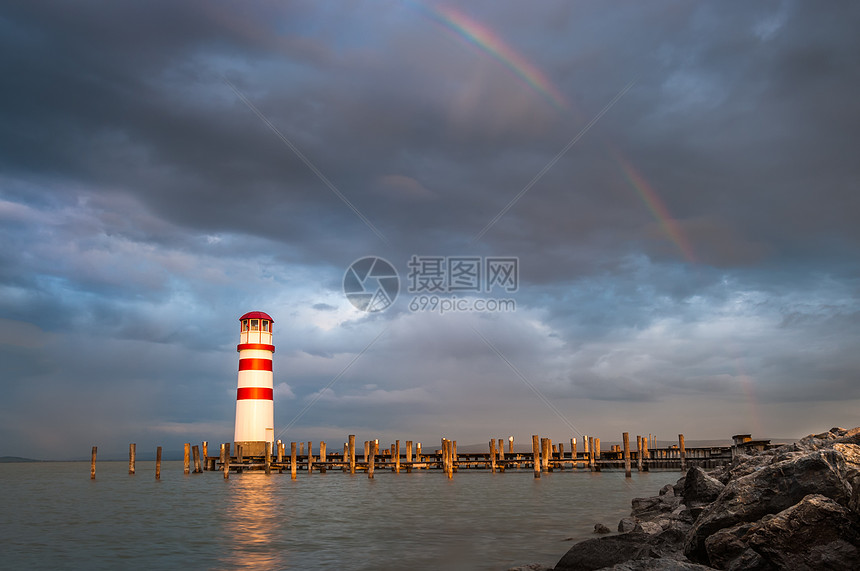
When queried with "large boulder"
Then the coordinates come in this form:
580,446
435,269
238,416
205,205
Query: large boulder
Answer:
614,549
816,533
654,506
851,453
603,552
770,490
699,487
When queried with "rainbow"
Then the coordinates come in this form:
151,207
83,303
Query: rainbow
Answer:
657,207
488,41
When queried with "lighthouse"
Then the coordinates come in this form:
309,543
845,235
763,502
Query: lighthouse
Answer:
255,414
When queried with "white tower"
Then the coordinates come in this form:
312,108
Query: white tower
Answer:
255,413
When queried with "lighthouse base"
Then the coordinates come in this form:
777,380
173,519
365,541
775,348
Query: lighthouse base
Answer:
252,448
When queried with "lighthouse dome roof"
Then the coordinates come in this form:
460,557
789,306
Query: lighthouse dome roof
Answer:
256,315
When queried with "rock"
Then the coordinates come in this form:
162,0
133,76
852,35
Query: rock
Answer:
727,547
607,551
678,488
603,552
699,487
816,533
720,473
648,527
793,507
768,491
626,524
850,437
600,528
648,508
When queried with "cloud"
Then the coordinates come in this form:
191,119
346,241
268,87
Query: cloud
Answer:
145,207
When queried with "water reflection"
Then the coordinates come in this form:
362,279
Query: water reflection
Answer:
251,523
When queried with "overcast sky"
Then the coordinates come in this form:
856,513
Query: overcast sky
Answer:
678,181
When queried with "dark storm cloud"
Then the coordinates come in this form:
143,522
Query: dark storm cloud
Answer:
699,241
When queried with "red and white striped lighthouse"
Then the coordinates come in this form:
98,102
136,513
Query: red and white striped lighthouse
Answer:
255,414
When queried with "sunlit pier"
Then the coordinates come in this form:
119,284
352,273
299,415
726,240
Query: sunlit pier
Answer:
545,456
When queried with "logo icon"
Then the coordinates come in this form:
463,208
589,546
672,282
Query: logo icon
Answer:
371,284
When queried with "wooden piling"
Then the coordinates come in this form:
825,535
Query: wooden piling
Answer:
536,454
589,451
131,457
352,453
344,465
543,454
239,458
301,448
396,456
550,452
592,454
493,455
370,460
205,451
157,463
226,465
292,460
418,452
408,456
510,444
268,465
646,454
93,464
280,452
310,458
626,439
450,458
195,451
454,466
323,457
186,458
639,453
683,452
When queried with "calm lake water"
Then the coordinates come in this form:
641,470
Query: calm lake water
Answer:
54,517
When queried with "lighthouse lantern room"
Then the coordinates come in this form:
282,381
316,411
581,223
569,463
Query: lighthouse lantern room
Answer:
255,415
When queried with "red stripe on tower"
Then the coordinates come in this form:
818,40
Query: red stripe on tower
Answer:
255,346
255,364
262,393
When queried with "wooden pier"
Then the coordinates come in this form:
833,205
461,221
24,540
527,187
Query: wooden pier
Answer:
544,457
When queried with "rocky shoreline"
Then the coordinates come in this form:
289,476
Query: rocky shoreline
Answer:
793,507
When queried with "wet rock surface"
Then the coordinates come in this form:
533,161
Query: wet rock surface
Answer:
792,507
